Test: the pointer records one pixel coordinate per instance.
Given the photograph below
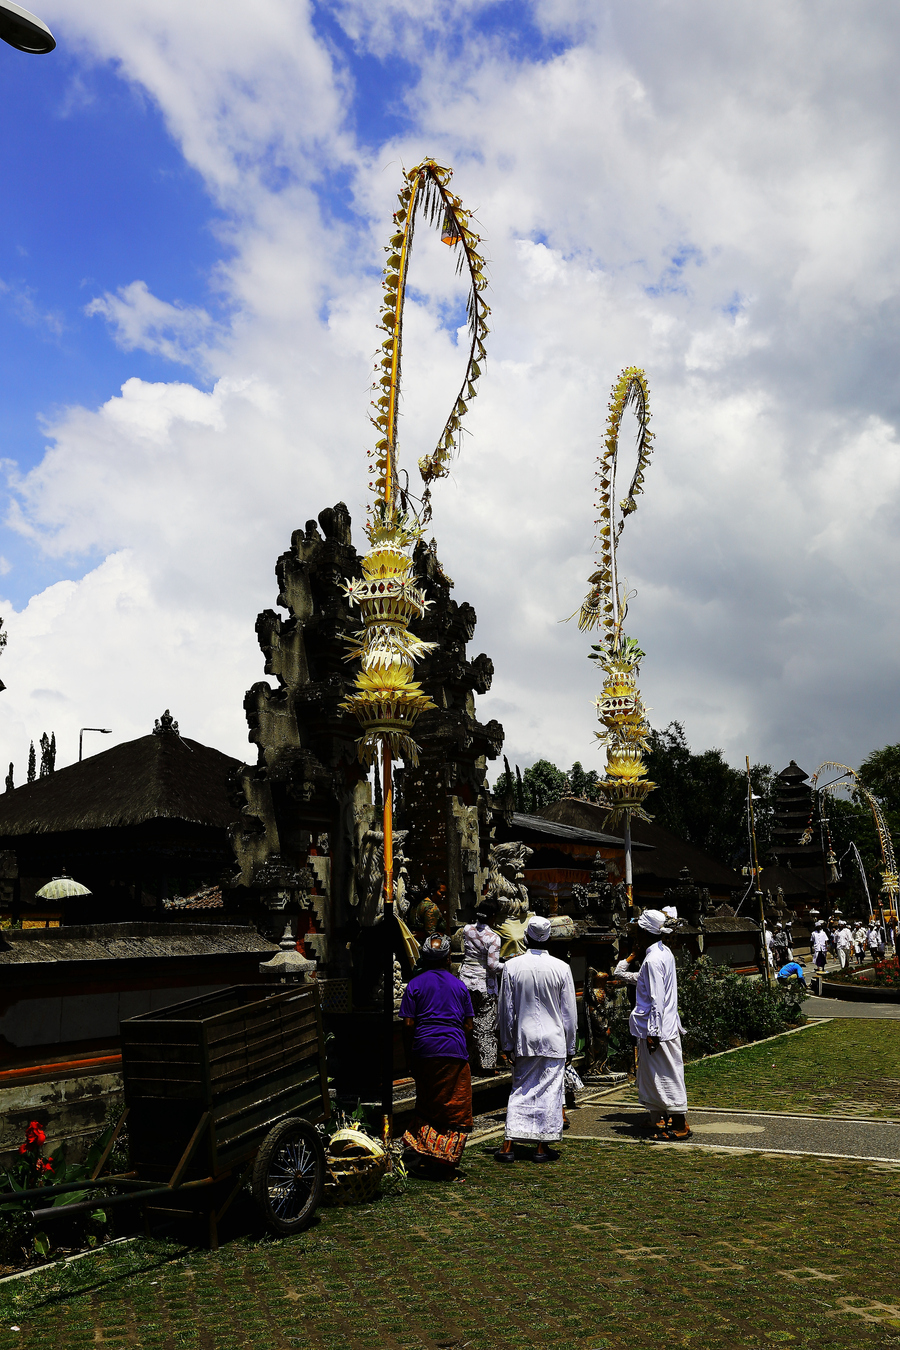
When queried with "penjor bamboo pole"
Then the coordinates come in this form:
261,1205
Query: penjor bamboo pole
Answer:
629,879
756,880
387,1067
387,1050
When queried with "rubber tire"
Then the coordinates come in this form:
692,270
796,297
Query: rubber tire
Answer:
269,1168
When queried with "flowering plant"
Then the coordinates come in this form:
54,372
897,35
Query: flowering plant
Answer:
36,1167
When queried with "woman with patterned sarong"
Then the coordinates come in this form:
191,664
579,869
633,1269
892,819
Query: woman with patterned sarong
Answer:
437,1021
478,972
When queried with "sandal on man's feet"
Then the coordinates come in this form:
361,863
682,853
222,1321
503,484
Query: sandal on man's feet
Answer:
549,1155
680,1138
504,1155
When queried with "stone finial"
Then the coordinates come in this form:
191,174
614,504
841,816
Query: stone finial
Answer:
166,725
288,964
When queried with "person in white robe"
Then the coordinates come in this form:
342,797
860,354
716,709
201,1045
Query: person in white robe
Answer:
818,945
537,1026
844,943
657,1027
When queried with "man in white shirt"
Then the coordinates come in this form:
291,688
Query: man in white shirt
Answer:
818,945
872,939
656,1025
538,1019
844,944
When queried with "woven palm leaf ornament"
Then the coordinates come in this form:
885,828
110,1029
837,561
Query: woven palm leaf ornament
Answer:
387,700
619,707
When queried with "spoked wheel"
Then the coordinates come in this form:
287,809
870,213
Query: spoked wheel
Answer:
288,1175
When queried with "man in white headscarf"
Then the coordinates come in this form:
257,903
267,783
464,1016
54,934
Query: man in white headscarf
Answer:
537,1027
656,1025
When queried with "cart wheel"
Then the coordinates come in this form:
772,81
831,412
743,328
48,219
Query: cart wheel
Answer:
288,1175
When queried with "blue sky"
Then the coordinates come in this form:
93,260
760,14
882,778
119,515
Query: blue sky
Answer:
657,185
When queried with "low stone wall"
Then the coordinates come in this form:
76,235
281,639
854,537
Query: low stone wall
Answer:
857,993
71,1110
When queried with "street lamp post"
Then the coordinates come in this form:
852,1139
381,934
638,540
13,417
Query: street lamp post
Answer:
24,30
104,731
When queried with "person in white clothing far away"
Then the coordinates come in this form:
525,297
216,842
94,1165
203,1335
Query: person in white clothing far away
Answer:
844,944
818,944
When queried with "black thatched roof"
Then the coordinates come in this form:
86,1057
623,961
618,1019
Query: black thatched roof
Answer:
130,941
155,777
568,832
670,853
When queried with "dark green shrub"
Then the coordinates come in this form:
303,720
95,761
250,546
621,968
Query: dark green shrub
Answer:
719,1009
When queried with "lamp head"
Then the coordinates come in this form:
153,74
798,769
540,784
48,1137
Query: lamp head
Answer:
24,30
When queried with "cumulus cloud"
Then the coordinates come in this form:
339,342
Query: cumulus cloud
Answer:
661,185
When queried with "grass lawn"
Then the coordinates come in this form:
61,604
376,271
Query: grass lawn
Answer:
846,1067
616,1247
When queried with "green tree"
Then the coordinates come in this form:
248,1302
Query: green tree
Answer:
701,798
583,782
880,773
32,764
543,783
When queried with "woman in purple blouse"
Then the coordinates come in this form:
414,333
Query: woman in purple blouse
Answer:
437,1022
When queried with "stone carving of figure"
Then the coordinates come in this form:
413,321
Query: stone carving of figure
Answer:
506,886
597,1012
370,876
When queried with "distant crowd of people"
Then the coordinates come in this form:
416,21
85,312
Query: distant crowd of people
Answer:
846,941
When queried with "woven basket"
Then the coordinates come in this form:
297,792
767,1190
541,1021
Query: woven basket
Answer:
355,1165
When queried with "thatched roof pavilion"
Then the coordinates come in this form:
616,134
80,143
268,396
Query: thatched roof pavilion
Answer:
136,823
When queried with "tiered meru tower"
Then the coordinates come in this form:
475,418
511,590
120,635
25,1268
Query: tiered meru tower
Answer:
793,807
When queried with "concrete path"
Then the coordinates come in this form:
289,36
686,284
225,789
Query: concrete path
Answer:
758,1130
840,1007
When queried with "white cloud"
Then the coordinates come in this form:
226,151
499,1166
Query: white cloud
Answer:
141,320
676,190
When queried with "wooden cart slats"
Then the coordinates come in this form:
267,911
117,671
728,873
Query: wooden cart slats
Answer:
247,1058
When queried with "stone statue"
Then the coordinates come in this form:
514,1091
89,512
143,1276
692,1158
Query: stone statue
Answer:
597,1012
370,876
506,885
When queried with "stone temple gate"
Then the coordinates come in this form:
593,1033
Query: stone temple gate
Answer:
309,842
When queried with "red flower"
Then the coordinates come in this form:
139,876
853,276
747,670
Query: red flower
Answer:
34,1134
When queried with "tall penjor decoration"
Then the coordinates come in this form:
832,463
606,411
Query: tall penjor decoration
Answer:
619,707
387,699
849,781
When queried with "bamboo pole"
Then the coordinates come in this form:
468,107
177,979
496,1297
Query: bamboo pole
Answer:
387,1067
629,880
755,864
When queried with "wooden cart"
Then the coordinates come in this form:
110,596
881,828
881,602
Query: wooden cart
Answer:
219,1090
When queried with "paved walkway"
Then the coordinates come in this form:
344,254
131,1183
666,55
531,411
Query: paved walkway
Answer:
759,1130
840,1007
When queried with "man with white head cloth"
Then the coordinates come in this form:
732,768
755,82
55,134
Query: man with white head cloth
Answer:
656,1025
537,1019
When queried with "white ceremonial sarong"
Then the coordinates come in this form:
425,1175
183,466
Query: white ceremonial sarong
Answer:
534,1114
660,1077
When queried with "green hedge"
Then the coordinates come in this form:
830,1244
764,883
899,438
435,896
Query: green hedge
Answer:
719,1009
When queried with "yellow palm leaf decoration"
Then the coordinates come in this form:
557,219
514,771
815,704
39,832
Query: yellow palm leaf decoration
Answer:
619,707
387,701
